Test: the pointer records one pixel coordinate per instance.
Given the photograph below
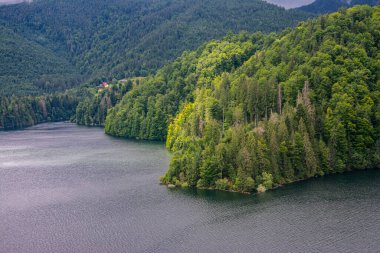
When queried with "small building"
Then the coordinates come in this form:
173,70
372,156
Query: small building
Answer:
104,86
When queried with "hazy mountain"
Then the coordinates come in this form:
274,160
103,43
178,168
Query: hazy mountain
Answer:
327,6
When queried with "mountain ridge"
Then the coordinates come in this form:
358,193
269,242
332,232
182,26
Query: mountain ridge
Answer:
123,38
328,6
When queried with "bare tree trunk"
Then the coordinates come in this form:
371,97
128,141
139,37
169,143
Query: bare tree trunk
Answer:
279,99
223,121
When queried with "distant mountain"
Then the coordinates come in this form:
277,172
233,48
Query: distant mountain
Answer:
328,6
26,67
120,38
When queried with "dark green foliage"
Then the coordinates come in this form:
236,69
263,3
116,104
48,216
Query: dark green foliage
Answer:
306,104
327,6
21,112
92,111
29,68
54,40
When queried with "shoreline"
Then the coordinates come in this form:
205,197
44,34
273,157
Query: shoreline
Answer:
172,186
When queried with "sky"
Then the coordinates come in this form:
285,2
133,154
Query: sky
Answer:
11,1
284,3
289,3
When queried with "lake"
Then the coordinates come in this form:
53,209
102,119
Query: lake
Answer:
65,188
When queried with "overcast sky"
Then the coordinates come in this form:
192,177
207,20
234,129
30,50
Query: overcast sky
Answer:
289,3
11,1
284,3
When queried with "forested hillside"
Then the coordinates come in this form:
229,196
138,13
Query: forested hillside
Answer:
257,111
116,38
327,6
93,109
146,111
307,105
28,68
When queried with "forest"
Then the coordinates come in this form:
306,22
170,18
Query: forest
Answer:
328,6
145,111
27,68
17,112
51,46
247,112
61,44
252,112
93,109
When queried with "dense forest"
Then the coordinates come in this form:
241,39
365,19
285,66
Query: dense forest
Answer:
246,112
307,105
146,111
27,68
327,6
258,111
76,41
18,112
93,109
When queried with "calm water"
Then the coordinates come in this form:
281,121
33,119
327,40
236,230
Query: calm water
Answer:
65,188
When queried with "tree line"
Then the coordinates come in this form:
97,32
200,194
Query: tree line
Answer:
17,112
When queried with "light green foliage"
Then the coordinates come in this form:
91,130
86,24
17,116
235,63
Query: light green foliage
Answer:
222,184
267,180
305,105
146,111
244,184
261,188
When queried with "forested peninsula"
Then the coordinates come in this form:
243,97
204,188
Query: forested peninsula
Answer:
253,111
248,112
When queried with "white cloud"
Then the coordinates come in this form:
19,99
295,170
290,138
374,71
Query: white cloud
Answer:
290,3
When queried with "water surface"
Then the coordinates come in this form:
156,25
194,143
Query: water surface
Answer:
65,188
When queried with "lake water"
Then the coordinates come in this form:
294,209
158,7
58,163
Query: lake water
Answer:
65,188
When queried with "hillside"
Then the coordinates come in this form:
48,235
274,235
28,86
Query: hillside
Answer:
258,111
306,106
28,68
328,6
146,111
119,38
